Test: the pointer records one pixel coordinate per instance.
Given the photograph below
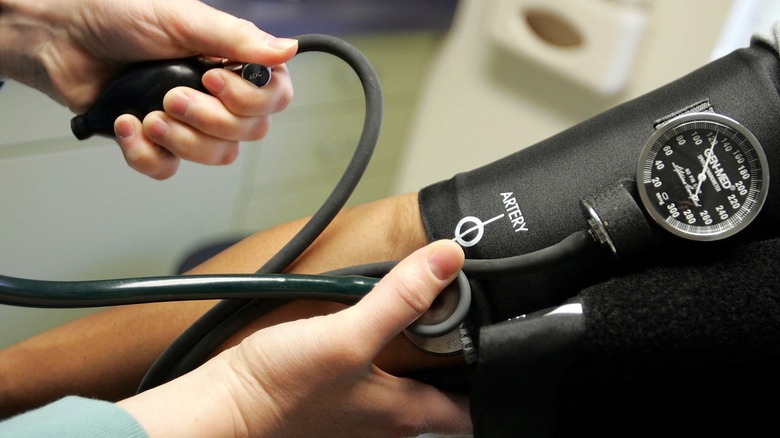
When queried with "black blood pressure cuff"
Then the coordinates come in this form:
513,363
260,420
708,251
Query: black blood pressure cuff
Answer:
531,199
564,374
687,348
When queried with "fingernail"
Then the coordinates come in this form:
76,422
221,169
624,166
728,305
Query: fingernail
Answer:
124,130
281,43
158,128
442,263
215,83
178,103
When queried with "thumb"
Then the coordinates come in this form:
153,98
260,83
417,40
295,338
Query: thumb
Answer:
212,32
404,294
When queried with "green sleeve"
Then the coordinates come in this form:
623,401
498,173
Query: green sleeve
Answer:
73,417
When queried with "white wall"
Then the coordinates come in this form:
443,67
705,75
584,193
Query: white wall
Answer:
73,210
482,101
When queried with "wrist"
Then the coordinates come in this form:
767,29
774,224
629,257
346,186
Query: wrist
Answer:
35,47
198,404
256,411
25,33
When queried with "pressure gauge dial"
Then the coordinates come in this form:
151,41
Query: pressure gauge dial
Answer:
703,176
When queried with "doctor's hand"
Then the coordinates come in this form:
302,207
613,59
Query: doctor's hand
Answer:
315,377
70,50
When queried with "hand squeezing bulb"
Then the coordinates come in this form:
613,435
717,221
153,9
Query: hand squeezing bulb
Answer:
140,89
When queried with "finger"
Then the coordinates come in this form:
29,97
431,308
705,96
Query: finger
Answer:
403,295
213,32
140,152
188,143
243,98
207,115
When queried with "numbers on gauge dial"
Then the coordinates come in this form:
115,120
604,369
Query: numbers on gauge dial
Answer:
703,176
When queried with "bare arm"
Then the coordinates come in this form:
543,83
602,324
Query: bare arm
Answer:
105,355
311,386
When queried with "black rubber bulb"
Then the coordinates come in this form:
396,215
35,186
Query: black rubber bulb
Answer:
140,89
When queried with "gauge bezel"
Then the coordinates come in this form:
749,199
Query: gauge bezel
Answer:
705,232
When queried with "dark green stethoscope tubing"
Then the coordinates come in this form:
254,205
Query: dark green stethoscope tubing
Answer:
346,285
101,293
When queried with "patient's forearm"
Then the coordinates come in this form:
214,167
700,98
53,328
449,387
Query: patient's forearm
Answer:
387,229
105,355
102,355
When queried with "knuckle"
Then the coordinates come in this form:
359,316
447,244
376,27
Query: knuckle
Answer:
162,175
245,26
242,104
283,101
259,129
412,293
229,155
148,158
159,170
141,161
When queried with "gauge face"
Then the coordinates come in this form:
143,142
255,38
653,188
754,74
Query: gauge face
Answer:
703,176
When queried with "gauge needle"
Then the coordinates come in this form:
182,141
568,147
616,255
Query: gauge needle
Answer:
703,175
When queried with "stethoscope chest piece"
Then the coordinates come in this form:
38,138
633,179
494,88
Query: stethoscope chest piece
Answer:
437,330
